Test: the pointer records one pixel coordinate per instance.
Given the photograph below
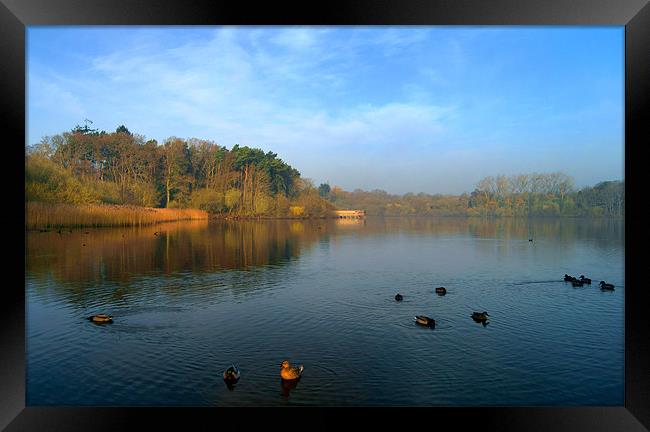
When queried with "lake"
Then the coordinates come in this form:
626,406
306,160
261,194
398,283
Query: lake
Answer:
190,298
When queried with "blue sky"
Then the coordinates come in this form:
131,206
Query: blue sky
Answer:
404,109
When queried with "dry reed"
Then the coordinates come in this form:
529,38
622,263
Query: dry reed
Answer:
40,215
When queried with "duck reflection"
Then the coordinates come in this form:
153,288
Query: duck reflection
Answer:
288,386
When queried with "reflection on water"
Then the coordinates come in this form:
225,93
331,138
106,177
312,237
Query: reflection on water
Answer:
288,386
117,255
190,298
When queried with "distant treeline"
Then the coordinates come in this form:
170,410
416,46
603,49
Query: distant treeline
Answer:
85,166
537,194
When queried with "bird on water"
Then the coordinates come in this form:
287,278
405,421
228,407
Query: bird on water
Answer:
425,321
288,372
100,319
231,375
606,286
480,316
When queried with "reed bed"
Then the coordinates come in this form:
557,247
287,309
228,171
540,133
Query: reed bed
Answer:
40,215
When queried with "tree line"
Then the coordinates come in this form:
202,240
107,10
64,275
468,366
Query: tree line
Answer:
536,194
87,166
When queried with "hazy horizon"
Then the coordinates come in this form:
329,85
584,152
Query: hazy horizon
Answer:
401,109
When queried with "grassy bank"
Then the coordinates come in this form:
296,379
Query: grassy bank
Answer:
45,215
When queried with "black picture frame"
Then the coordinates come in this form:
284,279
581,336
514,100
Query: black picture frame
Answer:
16,15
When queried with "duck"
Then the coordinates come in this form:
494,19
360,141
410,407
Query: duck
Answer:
480,316
585,280
568,278
441,290
288,372
231,375
399,297
577,283
100,319
606,286
425,321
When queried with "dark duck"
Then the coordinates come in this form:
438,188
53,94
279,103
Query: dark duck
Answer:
231,375
606,286
480,316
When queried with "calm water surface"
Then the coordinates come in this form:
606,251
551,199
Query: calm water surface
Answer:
199,296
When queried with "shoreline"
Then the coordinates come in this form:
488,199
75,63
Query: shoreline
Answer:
47,216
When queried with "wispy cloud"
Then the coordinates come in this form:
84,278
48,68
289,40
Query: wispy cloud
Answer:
232,93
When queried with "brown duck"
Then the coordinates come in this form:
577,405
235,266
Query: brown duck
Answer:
288,372
425,321
101,319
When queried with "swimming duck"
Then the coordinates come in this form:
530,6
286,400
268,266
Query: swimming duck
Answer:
606,286
399,297
576,283
231,375
568,278
425,321
585,280
480,316
441,290
100,319
289,372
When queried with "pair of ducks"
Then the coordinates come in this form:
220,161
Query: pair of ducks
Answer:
479,317
439,291
577,282
287,372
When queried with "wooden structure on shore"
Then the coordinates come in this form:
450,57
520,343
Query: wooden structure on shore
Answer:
352,214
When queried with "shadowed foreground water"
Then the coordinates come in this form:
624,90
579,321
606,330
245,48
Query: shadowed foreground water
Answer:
190,298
